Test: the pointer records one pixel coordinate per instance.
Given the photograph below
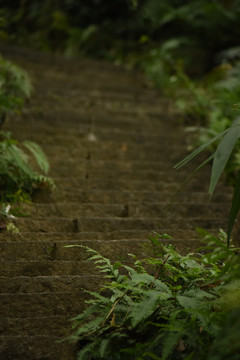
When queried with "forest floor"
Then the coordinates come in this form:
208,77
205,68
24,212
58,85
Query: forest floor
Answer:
112,143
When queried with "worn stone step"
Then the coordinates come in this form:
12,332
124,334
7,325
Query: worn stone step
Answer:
137,175
22,251
131,209
90,235
54,326
112,249
43,304
98,127
63,168
49,284
109,116
28,347
45,268
130,176
100,224
110,151
103,123
135,185
126,196
51,137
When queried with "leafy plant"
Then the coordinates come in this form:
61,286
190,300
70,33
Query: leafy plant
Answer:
15,170
220,158
171,306
15,86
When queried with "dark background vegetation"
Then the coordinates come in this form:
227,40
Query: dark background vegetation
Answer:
124,29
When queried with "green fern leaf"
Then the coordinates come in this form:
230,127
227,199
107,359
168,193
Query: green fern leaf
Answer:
38,154
170,343
86,352
103,348
145,308
187,302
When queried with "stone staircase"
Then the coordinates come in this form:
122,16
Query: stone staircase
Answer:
111,143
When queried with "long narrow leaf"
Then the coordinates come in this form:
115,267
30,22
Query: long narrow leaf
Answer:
234,210
198,168
198,150
223,153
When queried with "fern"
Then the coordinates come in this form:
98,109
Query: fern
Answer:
38,154
146,307
169,315
15,86
16,172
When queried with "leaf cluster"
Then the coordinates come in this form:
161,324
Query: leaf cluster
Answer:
16,172
15,86
171,306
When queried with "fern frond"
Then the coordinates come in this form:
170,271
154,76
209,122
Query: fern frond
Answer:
170,342
103,348
38,154
145,308
187,302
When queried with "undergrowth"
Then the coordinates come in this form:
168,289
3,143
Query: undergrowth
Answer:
169,306
15,86
18,177
23,166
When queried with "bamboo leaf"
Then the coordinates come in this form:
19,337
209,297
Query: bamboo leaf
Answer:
198,168
234,210
197,151
223,153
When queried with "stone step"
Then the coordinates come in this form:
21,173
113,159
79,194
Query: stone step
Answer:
59,168
52,326
28,347
137,175
105,225
49,284
110,151
131,209
90,235
52,136
45,268
125,196
103,124
43,304
112,249
110,116
134,185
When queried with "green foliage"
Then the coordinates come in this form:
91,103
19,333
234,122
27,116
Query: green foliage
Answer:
171,306
16,172
221,132
15,85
